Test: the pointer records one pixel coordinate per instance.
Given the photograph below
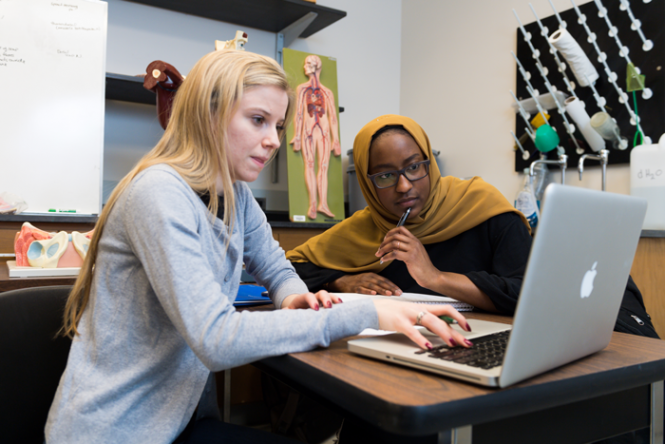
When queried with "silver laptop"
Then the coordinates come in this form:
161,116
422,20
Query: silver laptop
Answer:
573,286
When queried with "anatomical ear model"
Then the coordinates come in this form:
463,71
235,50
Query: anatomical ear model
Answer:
237,43
316,134
164,80
37,248
23,239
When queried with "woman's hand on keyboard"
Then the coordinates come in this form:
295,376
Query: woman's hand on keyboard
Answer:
402,317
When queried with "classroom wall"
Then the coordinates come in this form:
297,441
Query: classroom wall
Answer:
456,75
366,44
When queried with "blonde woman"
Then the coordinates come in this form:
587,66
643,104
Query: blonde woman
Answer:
151,313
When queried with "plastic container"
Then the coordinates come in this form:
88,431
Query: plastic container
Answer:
647,179
525,201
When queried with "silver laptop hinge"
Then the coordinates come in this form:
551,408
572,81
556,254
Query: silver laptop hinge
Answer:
459,435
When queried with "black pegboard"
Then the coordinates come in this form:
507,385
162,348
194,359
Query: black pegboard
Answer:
651,64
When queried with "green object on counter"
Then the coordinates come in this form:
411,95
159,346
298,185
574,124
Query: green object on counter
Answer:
546,138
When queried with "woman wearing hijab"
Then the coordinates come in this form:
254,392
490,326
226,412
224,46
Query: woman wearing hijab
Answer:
461,238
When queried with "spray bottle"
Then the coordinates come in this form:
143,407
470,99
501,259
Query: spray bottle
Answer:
525,201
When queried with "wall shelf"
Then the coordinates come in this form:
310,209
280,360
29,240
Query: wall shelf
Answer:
48,218
128,89
267,15
276,219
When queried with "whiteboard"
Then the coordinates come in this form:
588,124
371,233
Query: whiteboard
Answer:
52,79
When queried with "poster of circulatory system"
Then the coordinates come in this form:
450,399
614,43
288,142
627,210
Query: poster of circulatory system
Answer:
316,192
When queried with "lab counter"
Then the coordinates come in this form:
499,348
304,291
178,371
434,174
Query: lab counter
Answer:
652,233
646,270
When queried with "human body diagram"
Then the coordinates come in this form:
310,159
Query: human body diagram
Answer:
316,135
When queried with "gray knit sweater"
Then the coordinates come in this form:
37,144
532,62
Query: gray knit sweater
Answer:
160,316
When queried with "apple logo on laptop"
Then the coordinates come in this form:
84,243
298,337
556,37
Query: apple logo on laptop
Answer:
587,282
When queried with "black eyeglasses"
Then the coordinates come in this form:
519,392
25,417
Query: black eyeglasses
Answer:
413,172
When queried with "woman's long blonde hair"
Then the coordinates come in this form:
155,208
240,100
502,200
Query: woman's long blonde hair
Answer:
194,144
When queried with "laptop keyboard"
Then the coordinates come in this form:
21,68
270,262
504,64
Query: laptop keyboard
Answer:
487,351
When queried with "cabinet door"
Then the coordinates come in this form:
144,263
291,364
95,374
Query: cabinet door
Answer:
289,238
647,274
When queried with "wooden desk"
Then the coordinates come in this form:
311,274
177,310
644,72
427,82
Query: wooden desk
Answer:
602,395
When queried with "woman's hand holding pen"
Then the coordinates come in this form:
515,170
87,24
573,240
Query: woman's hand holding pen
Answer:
311,300
365,283
402,317
400,244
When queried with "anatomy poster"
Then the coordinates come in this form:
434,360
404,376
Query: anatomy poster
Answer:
316,192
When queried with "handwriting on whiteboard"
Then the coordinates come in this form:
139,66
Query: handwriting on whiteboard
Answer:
66,26
65,6
8,56
67,53
65,41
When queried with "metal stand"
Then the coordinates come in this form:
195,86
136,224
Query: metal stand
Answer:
562,162
657,413
288,35
602,158
226,414
460,435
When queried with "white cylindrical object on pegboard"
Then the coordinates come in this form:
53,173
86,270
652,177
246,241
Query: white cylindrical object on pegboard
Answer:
575,109
575,56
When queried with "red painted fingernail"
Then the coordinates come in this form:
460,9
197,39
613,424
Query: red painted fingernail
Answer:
453,343
429,346
329,304
316,308
467,342
340,300
468,327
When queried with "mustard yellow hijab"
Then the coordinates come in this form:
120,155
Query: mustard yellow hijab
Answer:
453,207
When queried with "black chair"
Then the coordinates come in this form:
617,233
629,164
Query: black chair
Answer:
32,360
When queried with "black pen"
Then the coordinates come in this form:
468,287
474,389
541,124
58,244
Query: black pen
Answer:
405,216
402,221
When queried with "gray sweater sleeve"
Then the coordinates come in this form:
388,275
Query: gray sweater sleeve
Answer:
263,257
166,228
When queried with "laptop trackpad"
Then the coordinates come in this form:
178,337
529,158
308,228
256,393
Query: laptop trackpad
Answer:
478,328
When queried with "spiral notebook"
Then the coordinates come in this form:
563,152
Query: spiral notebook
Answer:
411,297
